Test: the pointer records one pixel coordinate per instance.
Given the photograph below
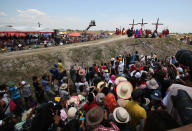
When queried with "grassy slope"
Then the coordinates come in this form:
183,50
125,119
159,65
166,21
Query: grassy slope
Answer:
24,67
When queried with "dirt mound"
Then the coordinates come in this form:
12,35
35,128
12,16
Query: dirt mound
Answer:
24,64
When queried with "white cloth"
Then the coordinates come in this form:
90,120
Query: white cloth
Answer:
121,67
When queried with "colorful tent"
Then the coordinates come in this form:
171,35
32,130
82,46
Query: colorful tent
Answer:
74,34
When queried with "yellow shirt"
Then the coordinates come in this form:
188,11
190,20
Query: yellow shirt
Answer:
60,67
136,112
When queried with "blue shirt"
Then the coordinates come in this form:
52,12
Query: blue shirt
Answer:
46,85
14,92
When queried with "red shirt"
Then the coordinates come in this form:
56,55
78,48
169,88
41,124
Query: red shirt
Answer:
96,68
88,107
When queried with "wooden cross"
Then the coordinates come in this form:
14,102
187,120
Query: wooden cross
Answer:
133,24
142,24
157,24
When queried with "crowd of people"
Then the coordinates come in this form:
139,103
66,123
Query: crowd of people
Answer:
131,92
33,41
140,33
186,40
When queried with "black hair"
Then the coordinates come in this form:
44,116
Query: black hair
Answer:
59,60
105,90
44,77
34,78
90,97
81,88
2,87
138,95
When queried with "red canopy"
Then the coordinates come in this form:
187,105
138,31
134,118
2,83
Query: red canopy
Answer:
17,34
74,34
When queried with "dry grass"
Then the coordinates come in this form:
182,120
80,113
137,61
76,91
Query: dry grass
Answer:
37,62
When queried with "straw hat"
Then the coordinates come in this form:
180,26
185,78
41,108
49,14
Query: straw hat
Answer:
121,102
71,112
121,115
101,83
73,99
152,84
119,79
94,116
82,72
124,89
63,86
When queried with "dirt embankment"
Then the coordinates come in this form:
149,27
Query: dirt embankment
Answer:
22,65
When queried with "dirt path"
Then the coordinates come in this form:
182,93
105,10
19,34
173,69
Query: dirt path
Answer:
59,48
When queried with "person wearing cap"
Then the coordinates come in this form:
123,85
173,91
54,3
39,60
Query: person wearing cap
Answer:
151,86
26,93
106,75
97,119
156,103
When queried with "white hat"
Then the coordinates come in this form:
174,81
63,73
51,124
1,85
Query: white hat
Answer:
100,84
99,98
121,115
121,102
120,79
124,90
81,97
63,86
112,59
137,75
71,112
179,69
152,84
23,82
151,71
